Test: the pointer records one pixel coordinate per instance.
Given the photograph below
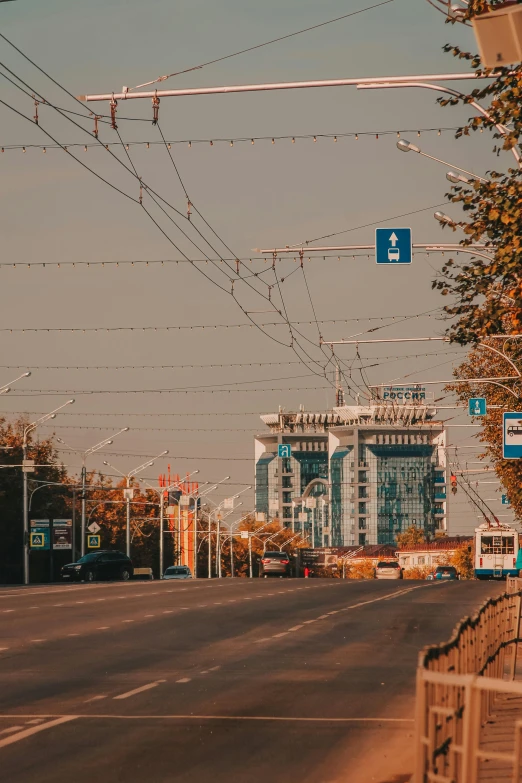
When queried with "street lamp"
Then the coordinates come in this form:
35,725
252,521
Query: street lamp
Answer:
127,477
443,218
25,469
406,146
85,454
7,388
160,491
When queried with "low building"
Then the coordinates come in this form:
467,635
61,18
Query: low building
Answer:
432,553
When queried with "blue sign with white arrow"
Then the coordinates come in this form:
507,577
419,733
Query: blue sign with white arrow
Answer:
505,500
393,245
512,435
284,450
477,406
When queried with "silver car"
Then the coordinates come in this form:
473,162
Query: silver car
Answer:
177,572
388,569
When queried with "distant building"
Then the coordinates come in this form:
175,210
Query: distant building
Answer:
357,475
430,554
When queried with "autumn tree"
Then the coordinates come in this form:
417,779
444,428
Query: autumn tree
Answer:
487,293
412,536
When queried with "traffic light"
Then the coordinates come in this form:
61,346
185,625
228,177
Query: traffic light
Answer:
453,482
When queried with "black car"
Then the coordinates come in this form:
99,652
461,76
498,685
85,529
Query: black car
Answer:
99,565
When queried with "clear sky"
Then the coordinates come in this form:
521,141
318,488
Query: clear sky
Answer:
261,195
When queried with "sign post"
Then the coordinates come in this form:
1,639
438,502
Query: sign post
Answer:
477,406
393,246
512,435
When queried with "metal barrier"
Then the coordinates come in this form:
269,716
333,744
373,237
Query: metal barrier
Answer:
458,683
513,585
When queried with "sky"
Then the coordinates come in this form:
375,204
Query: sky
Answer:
199,391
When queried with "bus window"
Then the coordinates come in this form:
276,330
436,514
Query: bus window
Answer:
508,545
486,545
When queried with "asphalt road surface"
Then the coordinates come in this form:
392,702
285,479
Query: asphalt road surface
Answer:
222,681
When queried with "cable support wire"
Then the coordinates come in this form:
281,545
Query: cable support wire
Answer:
51,393
80,329
229,142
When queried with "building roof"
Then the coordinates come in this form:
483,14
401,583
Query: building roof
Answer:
370,550
440,544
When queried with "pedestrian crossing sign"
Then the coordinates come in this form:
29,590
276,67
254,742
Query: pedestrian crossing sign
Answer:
93,542
37,541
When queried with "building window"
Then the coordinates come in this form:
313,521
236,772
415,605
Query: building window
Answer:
405,561
421,561
362,523
287,497
362,539
362,508
287,482
363,477
363,492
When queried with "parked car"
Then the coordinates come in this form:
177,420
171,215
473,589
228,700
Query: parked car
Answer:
177,572
444,572
274,564
99,565
388,569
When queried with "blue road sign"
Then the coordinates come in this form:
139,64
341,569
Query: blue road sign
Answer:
39,536
512,435
393,245
93,542
284,450
505,500
477,406
38,541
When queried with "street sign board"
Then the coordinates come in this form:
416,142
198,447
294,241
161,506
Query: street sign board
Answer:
62,533
170,511
28,466
393,245
311,502
260,516
40,537
512,435
228,503
284,450
273,504
505,500
477,406
184,500
128,493
93,542
244,534
93,527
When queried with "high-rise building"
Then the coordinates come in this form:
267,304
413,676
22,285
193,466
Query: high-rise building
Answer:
356,474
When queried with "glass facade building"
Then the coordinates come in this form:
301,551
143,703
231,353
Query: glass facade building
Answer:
368,474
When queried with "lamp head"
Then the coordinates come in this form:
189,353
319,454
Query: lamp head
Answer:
106,463
406,146
26,374
442,218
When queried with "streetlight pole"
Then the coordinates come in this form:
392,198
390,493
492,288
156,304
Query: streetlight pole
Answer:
30,428
128,476
106,442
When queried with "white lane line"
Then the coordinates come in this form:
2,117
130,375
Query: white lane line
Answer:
214,668
217,603
247,599
5,611
295,628
307,622
289,719
127,621
98,599
80,602
57,604
37,640
34,730
168,611
35,721
183,607
201,606
95,698
277,635
232,601
205,671
322,617
103,627
2,649
11,729
34,607
184,679
73,634
138,690
150,615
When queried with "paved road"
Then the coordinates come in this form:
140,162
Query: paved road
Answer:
249,681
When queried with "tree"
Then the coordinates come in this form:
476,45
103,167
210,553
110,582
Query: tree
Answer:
463,562
364,569
484,363
412,536
488,293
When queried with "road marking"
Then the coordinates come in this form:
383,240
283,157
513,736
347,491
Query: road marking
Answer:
214,668
168,611
295,628
322,617
5,611
277,635
307,622
34,607
103,627
80,602
247,599
95,698
127,621
232,601
73,634
184,679
98,599
202,605
138,690
2,649
150,615
57,604
38,640
183,607
34,730
11,729
217,603
35,721
282,718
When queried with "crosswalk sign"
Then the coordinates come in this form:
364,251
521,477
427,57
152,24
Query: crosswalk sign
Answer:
93,542
37,540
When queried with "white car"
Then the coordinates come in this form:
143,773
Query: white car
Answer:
388,569
177,572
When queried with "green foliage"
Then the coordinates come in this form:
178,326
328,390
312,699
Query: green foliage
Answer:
487,295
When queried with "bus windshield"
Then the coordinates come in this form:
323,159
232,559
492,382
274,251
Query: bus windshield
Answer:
504,545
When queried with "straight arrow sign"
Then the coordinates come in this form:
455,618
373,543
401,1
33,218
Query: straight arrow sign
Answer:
393,246
394,239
